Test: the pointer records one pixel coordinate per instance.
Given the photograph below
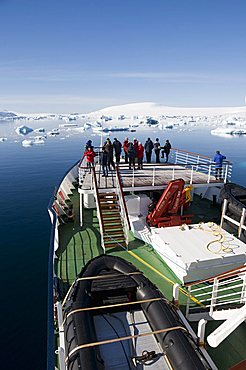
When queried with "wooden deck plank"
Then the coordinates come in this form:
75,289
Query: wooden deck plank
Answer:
160,175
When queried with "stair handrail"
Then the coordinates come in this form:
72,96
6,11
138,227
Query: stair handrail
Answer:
123,208
98,205
122,198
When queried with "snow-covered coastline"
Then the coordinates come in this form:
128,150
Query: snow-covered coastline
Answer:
141,110
132,117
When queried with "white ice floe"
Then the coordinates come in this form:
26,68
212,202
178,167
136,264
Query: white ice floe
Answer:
36,140
2,139
27,143
68,125
109,129
39,139
80,129
87,125
23,130
231,130
54,132
41,129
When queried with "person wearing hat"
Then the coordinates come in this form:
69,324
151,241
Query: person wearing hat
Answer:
157,148
117,149
166,150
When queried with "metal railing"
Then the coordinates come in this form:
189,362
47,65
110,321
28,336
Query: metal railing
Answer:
239,224
123,209
217,295
201,163
180,160
99,211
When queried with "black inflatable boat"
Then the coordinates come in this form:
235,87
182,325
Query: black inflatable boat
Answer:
102,323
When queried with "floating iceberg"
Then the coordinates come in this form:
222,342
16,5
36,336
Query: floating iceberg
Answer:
36,140
109,129
87,125
228,131
41,129
2,139
68,125
23,130
27,143
39,139
54,132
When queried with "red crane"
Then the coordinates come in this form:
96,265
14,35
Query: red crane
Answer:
166,210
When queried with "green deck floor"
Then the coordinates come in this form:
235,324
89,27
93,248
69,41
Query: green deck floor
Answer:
78,245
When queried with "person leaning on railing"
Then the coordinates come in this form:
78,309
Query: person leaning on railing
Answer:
218,160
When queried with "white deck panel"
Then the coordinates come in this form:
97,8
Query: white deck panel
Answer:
124,324
198,251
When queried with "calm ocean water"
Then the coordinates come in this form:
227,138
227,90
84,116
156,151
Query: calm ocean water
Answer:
28,179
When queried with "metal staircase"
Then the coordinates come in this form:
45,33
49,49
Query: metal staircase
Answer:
112,213
113,233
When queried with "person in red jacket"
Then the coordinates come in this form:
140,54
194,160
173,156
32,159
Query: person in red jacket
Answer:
140,155
90,155
125,148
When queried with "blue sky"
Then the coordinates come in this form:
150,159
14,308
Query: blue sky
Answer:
82,55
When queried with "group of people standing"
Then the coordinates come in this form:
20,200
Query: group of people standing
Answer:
133,153
136,150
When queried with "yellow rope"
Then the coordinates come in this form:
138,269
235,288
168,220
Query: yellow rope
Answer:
221,238
183,291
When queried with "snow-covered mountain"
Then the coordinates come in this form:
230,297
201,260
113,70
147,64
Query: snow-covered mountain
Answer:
134,110
154,109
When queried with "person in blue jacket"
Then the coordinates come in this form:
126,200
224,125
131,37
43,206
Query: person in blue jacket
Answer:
218,160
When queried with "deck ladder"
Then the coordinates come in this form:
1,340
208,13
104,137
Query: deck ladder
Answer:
112,214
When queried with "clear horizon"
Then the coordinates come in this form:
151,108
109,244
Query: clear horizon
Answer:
60,57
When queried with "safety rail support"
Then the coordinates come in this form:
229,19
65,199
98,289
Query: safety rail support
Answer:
226,293
123,208
99,211
239,224
214,296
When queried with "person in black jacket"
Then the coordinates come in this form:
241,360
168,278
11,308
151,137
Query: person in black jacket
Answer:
117,149
166,149
109,149
157,149
104,161
131,155
148,147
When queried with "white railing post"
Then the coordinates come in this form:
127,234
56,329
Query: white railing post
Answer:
197,161
214,296
153,181
173,176
225,172
241,222
209,173
133,175
201,332
243,293
191,175
176,157
186,159
176,294
223,212
81,209
188,303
